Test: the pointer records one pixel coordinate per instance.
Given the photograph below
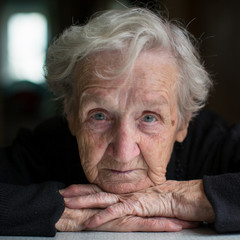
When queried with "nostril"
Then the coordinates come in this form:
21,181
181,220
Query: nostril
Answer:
110,150
136,149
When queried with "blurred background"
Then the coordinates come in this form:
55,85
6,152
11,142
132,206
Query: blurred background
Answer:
28,26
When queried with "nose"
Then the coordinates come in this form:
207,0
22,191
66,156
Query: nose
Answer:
124,146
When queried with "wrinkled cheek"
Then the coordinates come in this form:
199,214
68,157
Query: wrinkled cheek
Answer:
165,154
89,153
157,158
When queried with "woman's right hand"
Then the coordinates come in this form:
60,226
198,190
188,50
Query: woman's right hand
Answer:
88,200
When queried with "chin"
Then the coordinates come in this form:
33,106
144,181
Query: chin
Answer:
120,188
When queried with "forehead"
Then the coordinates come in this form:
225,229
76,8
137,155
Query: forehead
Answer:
152,72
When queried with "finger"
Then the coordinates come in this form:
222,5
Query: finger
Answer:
110,213
79,190
157,225
98,200
183,223
139,224
73,219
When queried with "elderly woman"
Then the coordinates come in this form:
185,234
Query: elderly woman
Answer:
130,82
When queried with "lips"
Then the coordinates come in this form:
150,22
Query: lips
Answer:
120,172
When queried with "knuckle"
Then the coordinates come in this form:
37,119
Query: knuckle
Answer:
99,199
73,188
78,200
106,198
74,202
102,195
112,210
94,187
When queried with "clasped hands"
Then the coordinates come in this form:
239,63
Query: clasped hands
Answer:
171,206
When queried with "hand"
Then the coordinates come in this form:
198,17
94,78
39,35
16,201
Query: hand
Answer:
73,219
173,199
140,224
87,196
87,201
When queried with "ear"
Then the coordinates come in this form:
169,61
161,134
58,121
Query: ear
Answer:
182,131
181,134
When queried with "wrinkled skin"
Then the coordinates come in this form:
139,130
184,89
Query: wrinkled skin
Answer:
84,201
127,126
126,129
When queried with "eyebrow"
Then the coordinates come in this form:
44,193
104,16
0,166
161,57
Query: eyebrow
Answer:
86,99
158,100
154,102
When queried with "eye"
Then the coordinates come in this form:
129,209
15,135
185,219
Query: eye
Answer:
98,120
149,118
99,116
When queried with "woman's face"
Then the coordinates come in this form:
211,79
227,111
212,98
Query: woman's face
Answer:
127,127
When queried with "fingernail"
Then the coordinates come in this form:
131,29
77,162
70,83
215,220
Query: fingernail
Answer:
177,227
66,200
61,191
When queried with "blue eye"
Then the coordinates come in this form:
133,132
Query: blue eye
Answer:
149,118
99,116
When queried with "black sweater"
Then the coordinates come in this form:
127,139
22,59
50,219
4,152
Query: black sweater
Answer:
41,162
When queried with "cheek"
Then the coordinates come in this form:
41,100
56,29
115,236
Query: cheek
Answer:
157,151
91,150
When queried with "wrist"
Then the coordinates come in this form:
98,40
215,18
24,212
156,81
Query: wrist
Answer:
189,202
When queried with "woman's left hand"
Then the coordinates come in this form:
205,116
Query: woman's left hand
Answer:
84,201
184,200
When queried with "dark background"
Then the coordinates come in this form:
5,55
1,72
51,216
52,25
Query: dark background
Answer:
214,22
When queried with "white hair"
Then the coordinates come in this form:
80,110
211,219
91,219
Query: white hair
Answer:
129,31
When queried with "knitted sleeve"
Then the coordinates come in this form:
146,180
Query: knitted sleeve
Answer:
223,191
30,210
211,152
32,170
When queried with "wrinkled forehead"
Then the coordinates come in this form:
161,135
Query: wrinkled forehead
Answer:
151,71
97,67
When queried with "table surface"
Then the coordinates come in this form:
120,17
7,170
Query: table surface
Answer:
189,234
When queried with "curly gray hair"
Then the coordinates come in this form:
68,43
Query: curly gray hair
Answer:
134,29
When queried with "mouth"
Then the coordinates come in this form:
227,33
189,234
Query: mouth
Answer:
121,172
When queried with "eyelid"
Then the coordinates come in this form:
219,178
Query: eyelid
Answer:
150,127
154,114
153,118
98,110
